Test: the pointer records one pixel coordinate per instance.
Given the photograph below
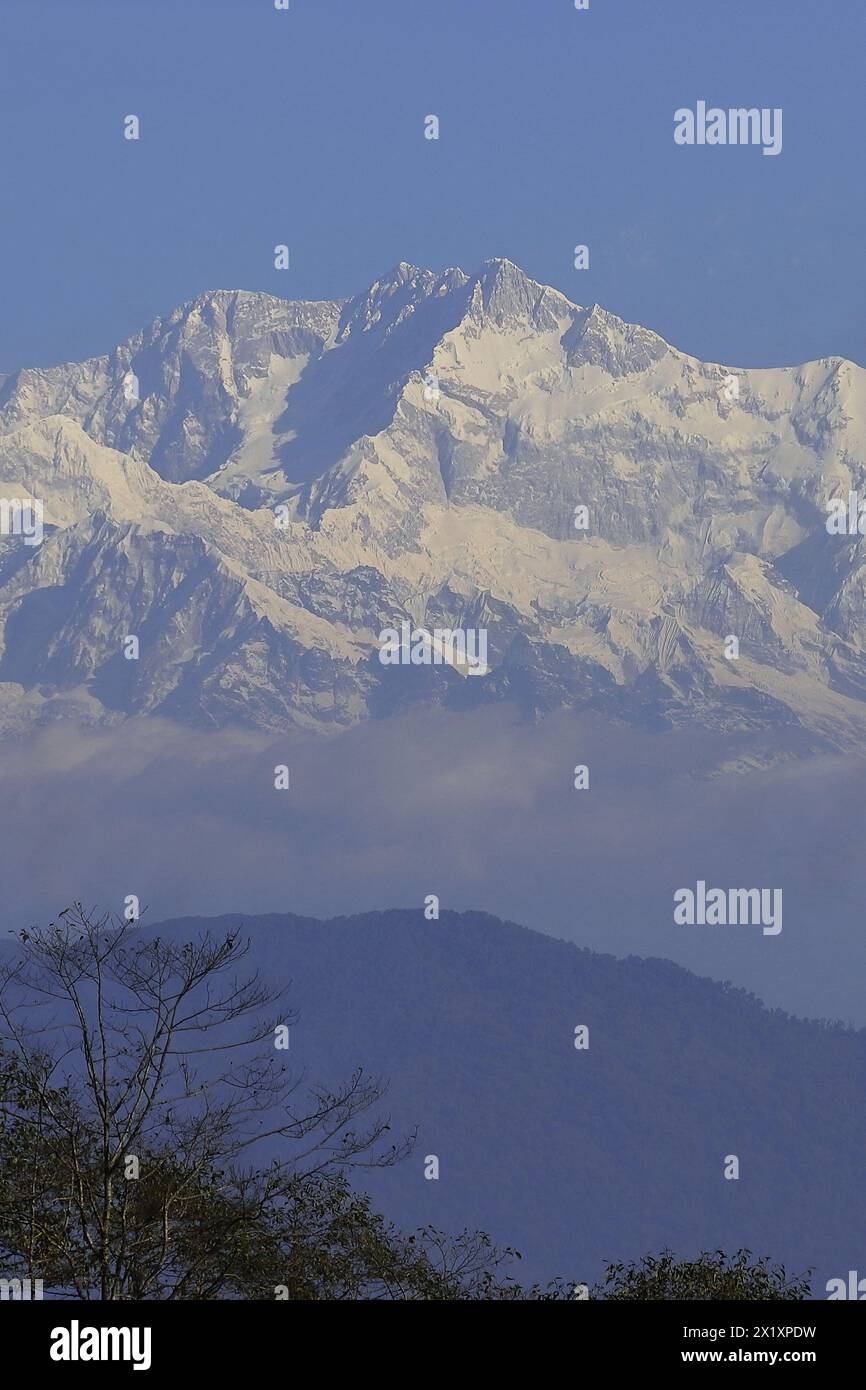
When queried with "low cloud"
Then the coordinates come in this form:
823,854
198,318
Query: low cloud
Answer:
477,808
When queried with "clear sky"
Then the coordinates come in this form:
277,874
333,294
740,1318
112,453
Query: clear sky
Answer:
306,127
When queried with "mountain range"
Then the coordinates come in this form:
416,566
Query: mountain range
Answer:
256,488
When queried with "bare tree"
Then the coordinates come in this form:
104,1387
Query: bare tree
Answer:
152,1120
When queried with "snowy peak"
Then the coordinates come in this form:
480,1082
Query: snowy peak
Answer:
263,486
405,295
505,295
386,300
601,339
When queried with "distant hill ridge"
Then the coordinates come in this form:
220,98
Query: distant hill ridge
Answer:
578,1156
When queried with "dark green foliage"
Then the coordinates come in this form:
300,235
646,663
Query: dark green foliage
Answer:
713,1276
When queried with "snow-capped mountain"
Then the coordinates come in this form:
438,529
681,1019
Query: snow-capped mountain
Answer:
256,488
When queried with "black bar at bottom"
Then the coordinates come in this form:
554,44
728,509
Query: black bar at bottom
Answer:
165,1338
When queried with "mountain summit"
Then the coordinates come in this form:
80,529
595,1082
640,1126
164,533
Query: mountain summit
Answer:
256,488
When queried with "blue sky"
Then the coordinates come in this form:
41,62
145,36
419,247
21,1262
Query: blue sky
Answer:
305,127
